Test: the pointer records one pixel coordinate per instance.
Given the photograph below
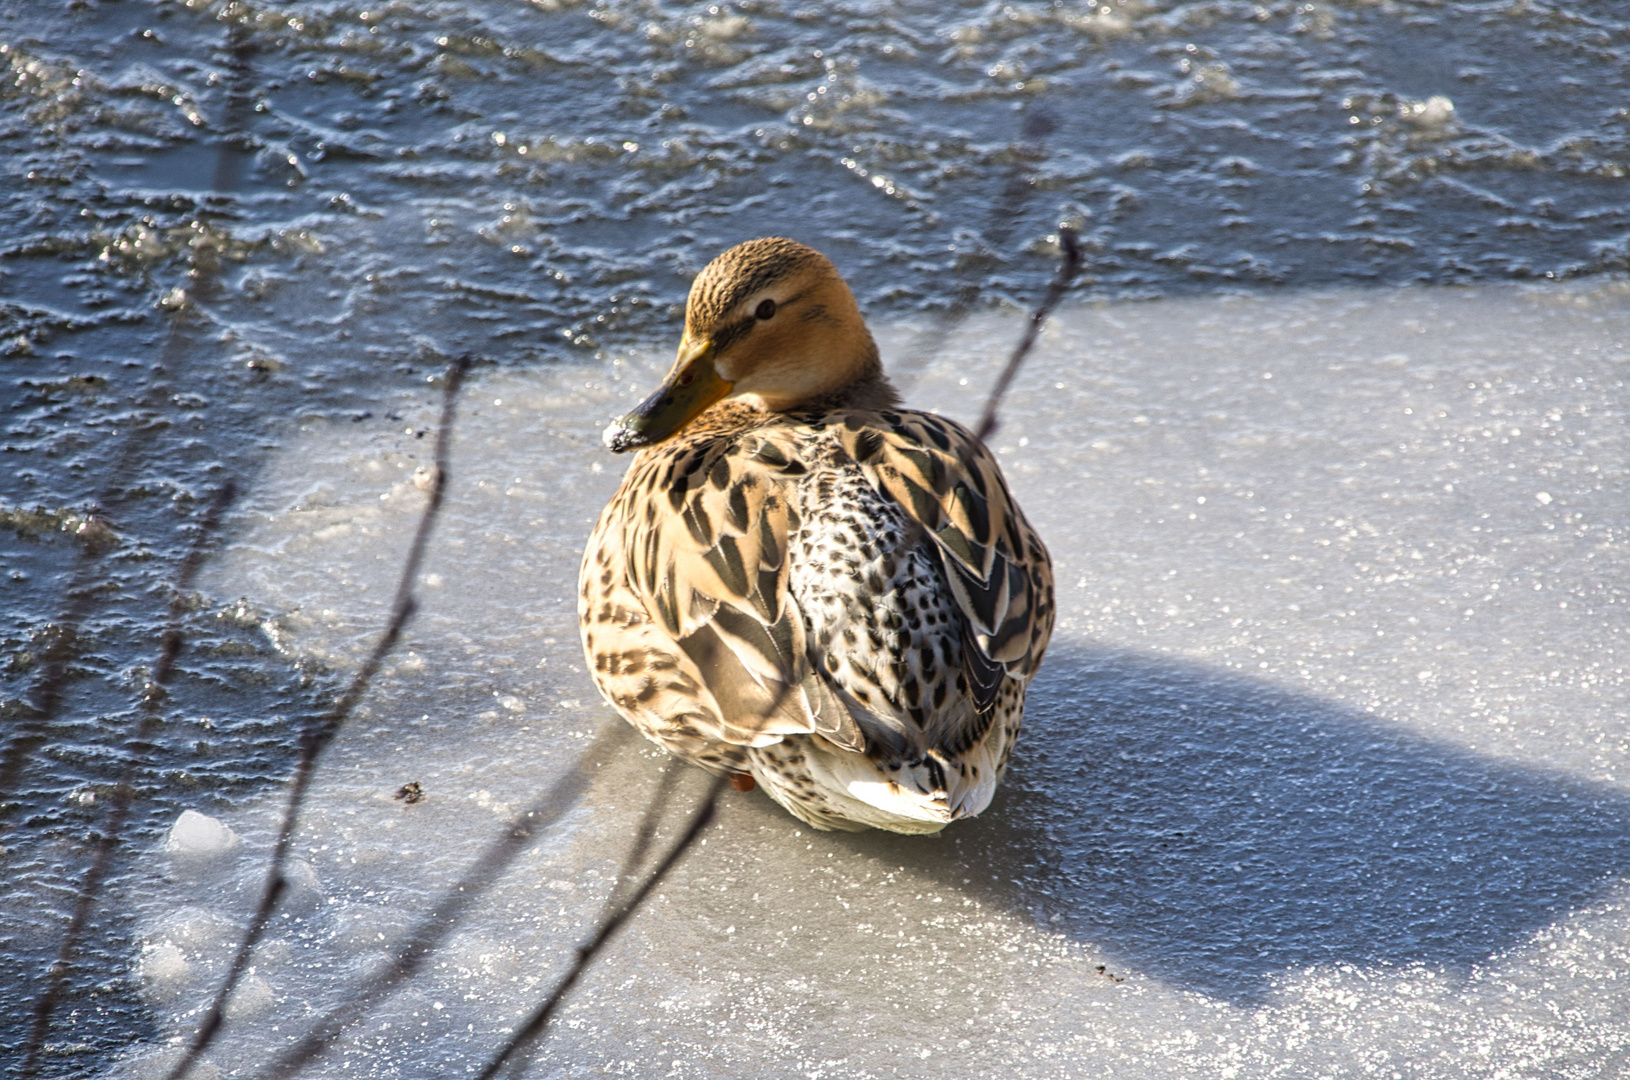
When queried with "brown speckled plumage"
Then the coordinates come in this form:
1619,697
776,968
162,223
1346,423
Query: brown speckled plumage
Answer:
840,599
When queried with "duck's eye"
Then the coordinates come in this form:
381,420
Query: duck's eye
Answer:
766,309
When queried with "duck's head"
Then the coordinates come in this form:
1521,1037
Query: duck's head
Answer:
769,322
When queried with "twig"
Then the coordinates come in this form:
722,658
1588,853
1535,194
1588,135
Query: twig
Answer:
521,1041
322,732
419,944
172,641
1071,245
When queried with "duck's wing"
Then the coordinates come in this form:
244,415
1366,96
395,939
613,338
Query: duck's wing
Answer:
704,533
945,479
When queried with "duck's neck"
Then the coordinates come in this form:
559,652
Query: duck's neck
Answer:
875,392
869,389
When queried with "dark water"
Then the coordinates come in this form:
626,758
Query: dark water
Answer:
216,218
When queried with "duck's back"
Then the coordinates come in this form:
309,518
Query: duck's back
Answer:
846,605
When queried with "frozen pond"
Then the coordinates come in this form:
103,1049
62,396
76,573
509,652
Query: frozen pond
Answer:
1327,773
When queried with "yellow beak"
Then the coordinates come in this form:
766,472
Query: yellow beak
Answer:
685,394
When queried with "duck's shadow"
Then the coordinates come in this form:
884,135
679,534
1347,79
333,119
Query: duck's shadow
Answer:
1214,832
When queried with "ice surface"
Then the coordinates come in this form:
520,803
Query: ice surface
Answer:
1327,772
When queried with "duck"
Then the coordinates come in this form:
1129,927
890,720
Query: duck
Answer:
801,585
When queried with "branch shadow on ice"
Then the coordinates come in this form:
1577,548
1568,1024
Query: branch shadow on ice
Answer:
1215,832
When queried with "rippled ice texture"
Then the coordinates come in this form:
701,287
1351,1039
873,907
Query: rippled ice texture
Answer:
1327,772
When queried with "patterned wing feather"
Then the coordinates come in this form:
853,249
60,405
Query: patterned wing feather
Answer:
946,480
711,565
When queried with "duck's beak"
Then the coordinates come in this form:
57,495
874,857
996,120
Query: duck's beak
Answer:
689,389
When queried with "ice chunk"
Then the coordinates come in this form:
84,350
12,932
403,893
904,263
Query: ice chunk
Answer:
199,834
195,928
158,1064
1434,116
164,971
252,998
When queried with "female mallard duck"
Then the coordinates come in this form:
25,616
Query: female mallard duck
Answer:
800,584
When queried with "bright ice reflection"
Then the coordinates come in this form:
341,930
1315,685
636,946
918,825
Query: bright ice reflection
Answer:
1328,772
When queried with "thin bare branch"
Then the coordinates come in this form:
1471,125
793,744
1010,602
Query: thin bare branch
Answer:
319,734
522,1041
171,643
1070,246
